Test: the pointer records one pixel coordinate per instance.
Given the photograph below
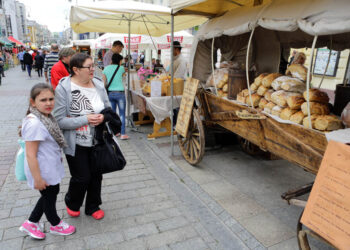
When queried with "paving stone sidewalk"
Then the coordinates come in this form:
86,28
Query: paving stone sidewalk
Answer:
147,206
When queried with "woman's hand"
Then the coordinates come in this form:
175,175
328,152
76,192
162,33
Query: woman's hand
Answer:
40,184
95,119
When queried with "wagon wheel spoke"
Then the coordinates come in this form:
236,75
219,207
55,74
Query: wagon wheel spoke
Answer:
196,143
196,134
182,142
194,149
191,150
188,147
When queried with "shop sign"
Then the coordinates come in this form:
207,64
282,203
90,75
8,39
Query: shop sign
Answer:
135,39
132,46
176,38
163,46
327,211
185,113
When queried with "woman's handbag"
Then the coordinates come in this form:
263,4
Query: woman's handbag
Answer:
107,154
19,170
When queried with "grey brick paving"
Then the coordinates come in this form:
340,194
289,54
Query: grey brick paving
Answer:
146,205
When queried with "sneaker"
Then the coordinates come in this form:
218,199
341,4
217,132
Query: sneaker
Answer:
98,215
32,229
124,137
62,229
72,213
117,134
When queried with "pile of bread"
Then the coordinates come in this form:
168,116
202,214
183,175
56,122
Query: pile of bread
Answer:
219,81
285,96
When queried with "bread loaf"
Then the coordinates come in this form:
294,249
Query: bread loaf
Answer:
280,98
262,103
267,81
328,123
225,77
245,92
316,95
268,94
298,71
287,113
220,92
241,98
306,121
255,99
276,84
253,87
225,88
297,117
221,84
258,80
276,110
316,108
268,107
345,115
293,85
261,90
295,100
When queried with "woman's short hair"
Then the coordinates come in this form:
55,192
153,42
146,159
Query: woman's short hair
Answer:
65,52
77,60
116,58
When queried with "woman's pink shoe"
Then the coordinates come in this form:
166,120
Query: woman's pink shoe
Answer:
98,215
72,213
124,137
62,229
32,229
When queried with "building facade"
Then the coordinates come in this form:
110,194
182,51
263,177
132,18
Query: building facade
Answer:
9,8
21,21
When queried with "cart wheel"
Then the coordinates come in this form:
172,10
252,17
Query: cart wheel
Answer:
248,147
192,147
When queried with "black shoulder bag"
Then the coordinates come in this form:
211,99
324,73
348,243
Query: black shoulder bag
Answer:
107,154
110,81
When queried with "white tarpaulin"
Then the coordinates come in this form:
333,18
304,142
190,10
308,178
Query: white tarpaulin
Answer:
137,42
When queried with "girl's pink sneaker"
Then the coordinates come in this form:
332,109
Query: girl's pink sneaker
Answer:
32,229
62,229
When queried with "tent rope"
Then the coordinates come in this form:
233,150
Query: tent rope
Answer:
329,58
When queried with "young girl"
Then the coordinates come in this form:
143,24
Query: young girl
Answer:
43,161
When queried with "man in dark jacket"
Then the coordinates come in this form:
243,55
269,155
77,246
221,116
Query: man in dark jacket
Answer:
28,61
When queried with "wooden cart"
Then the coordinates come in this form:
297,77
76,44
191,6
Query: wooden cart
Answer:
295,143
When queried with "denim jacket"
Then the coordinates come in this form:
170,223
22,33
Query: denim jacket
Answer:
68,124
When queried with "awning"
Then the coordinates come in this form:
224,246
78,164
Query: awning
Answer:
114,16
6,42
18,43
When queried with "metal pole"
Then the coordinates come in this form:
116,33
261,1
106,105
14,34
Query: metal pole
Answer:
172,84
308,79
128,55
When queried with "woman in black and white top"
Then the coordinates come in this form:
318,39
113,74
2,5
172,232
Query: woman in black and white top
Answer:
79,100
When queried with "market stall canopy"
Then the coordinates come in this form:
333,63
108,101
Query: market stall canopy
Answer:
18,43
209,8
137,41
6,42
323,17
114,16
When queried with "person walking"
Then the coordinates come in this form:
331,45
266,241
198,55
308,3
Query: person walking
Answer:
3,59
61,68
50,60
79,100
28,61
117,48
112,76
43,164
20,58
39,64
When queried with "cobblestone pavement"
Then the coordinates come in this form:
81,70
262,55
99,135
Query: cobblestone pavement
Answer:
147,205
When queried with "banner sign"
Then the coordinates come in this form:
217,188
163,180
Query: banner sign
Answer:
132,46
176,38
134,40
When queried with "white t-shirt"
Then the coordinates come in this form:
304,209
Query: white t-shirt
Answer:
180,67
49,152
85,101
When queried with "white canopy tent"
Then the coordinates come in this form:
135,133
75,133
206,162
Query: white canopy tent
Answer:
132,18
137,41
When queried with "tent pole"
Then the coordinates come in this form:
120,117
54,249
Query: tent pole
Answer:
172,84
129,94
308,79
247,67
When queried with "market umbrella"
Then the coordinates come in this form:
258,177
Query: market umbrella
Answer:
131,17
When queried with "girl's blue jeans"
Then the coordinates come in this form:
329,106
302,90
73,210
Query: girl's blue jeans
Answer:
117,98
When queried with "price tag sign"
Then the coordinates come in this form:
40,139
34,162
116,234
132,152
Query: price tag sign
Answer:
327,211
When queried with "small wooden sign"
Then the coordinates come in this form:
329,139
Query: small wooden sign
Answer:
244,114
327,211
185,113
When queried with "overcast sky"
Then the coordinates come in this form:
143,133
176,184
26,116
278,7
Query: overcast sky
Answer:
53,13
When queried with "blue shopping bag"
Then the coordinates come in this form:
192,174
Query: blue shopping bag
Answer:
19,170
